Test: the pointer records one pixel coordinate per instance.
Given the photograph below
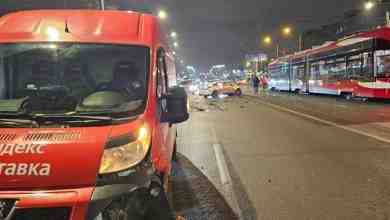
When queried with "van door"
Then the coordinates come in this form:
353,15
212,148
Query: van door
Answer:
162,91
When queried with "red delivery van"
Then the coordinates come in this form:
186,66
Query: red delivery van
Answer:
88,107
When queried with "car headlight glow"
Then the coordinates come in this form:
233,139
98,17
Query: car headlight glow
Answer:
126,155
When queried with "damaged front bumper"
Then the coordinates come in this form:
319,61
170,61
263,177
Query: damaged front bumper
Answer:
116,195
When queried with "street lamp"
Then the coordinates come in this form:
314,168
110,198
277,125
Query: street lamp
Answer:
173,34
287,31
369,5
267,40
176,44
162,14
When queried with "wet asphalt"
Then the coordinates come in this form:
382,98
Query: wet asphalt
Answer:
284,166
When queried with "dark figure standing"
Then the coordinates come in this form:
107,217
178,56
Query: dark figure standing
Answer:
256,84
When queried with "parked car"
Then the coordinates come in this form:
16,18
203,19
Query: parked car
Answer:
224,87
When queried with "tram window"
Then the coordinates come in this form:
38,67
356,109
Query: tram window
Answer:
354,65
323,69
299,71
332,69
359,67
383,63
337,69
367,64
315,71
275,72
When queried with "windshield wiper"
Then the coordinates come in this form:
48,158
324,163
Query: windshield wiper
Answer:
72,119
17,123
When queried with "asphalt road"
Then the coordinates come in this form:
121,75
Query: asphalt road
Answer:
276,164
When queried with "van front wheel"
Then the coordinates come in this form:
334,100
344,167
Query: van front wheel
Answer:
159,207
347,96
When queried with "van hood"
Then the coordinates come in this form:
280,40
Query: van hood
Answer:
50,158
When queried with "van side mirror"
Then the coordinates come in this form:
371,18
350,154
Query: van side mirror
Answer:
177,105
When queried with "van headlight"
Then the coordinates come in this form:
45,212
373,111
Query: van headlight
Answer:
125,152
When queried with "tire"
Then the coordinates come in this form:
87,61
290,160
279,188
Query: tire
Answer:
347,96
140,205
238,92
159,207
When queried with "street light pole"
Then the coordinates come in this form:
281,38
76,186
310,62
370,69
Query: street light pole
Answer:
300,42
370,4
287,31
102,5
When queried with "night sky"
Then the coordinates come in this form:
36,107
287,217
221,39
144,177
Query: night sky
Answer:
222,31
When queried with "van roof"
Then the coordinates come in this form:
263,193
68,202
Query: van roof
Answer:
88,26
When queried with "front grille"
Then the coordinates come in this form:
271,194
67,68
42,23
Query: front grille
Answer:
42,214
7,137
6,205
53,137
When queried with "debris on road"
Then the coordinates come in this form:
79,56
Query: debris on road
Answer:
194,197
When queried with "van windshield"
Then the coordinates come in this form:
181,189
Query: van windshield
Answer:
67,79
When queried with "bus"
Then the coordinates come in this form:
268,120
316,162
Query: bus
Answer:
355,66
88,108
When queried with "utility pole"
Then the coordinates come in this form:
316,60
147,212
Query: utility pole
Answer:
387,15
368,6
300,42
102,6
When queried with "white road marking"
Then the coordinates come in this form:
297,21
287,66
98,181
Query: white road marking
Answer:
226,179
326,122
222,167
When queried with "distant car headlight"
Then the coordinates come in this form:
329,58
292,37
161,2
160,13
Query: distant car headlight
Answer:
124,152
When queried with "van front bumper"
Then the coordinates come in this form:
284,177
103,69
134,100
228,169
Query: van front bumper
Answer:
82,203
69,204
